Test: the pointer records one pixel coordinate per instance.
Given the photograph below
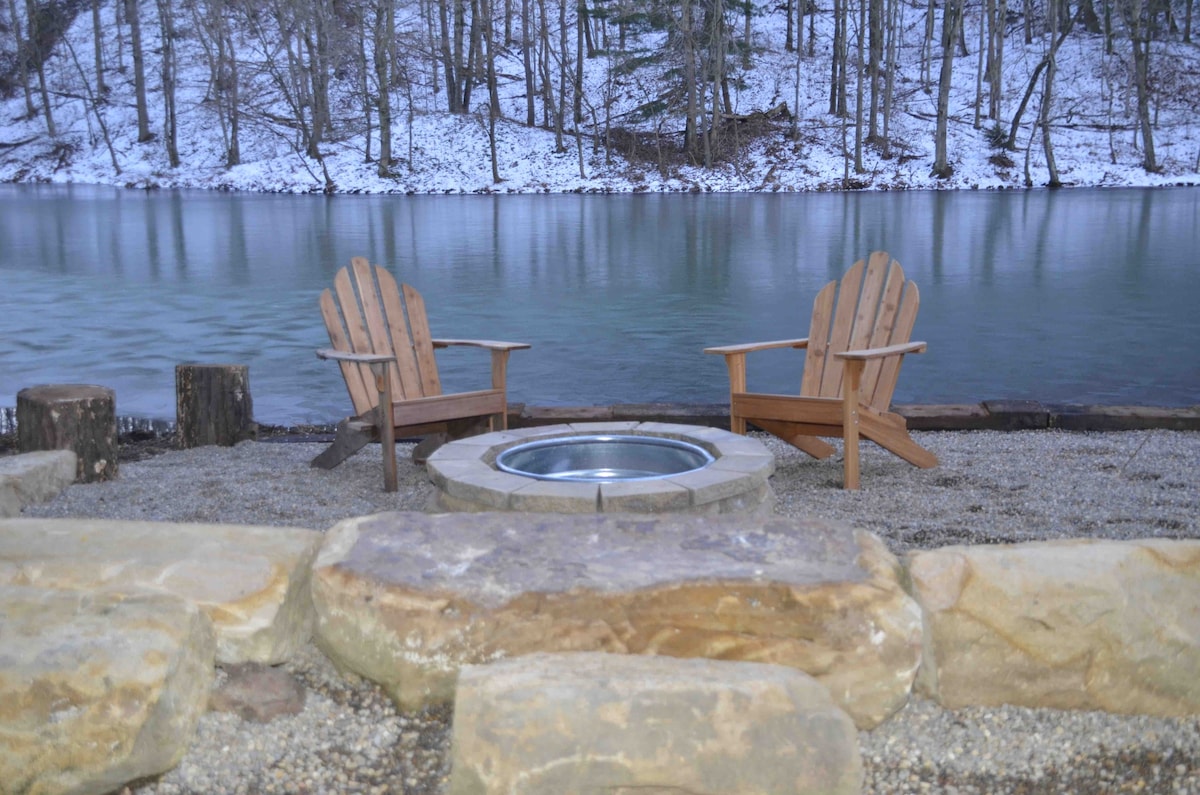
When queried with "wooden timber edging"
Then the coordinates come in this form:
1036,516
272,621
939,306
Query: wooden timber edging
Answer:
990,415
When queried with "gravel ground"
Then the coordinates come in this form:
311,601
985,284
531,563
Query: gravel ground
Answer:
990,488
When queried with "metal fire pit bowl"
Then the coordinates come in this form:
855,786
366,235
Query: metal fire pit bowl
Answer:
605,467
604,458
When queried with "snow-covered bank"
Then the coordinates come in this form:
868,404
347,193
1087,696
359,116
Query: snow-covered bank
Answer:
1092,126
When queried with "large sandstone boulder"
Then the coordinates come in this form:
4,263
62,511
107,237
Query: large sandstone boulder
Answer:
97,689
549,724
252,581
406,599
1099,625
28,478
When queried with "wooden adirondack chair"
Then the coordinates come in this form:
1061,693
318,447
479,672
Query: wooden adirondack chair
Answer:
853,354
381,340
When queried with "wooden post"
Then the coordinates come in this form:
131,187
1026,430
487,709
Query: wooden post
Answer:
78,417
213,405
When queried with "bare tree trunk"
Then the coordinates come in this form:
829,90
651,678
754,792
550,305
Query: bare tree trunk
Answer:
1140,26
166,22
97,40
876,12
527,61
995,70
717,42
927,47
858,89
549,111
488,35
133,15
39,63
837,77
976,122
383,41
893,33
789,36
449,63
234,156
1044,115
563,71
687,39
475,70
951,24
23,58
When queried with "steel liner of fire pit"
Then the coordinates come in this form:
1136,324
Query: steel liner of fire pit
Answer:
603,458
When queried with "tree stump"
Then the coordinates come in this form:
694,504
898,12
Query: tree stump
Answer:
213,405
77,417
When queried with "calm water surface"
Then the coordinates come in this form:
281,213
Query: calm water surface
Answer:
1083,296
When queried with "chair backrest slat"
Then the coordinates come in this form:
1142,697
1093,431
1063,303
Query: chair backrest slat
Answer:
422,342
874,306
361,391
838,335
818,340
889,374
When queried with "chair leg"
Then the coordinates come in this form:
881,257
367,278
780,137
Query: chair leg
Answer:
851,381
387,429
351,437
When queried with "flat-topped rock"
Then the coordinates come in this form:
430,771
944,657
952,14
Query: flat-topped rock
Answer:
97,689
28,478
252,581
549,724
406,599
1082,624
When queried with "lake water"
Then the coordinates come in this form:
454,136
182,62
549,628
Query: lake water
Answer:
1082,296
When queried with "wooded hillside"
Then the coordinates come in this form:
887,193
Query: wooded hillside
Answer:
618,83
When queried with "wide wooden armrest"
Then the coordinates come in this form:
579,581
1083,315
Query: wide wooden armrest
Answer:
880,353
349,356
725,350
489,344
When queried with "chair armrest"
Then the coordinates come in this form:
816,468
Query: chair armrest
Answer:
489,344
358,358
880,353
726,350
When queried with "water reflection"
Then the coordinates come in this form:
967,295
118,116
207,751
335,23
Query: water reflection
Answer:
1073,296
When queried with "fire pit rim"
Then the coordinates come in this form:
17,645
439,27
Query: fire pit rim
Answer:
466,478
698,456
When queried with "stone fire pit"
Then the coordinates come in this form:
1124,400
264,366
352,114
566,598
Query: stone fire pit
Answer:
604,467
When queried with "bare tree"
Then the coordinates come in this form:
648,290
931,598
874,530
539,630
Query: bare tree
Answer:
1140,26
98,48
837,77
91,103
1047,103
212,24
38,58
489,43
527,45
134,18
688,43
167,66
893,29
23,61
383,38
1011,143
951,25
875,13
